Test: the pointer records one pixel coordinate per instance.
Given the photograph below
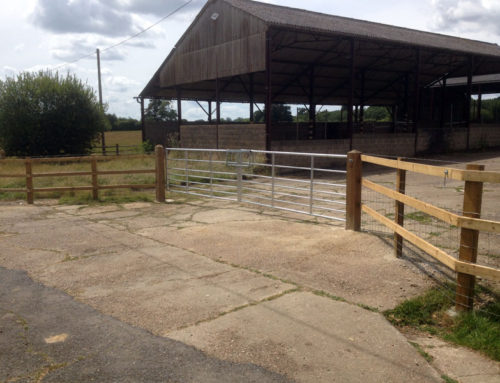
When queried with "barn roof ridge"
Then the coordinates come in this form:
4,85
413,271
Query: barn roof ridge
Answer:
286,14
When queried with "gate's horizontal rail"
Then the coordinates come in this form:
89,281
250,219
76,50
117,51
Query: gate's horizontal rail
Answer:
256,179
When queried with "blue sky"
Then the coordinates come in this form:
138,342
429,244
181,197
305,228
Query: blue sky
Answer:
40,34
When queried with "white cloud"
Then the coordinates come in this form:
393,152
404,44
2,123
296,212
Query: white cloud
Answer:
82,16
479,19
19,47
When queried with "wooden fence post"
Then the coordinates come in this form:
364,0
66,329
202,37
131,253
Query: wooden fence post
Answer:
117,149
399,211
160,173
95,187
469,239
353,191
30,196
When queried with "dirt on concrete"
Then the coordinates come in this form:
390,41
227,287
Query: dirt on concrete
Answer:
248,287
46,336
179,267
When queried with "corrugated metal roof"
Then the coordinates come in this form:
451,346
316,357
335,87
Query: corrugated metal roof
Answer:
320,22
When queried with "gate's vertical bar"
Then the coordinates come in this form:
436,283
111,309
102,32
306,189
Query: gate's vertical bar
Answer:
469,239
353,191
95,190
239,165
211,174
311,191
399,210
273,176
160,173
29,182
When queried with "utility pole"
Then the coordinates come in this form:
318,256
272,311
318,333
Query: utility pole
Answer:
103,140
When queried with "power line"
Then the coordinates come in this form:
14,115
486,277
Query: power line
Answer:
148,28
127,39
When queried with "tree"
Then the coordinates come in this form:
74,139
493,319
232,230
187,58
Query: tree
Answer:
48,114
113,120
377,113
279,113
160,110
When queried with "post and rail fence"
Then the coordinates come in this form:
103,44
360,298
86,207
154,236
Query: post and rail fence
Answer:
117,149
267,190
469,223
94,173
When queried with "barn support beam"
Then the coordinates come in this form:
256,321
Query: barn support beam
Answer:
179,108
312,106
210,112
468,96
143,121
268,90
479,106
406,96
202,108
394,118
252,97
416,101
362,102
443,103
350,104
217,101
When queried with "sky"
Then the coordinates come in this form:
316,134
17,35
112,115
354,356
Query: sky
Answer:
49,34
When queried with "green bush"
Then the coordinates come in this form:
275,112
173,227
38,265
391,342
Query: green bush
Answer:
48,114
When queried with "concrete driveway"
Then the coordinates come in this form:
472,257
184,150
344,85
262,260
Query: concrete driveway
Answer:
198,292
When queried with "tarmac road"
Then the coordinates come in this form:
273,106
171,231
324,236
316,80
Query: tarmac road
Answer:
45,334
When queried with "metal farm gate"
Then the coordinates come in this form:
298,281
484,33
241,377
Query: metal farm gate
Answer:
307,183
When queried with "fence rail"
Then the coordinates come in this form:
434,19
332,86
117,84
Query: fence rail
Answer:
117,149
93,172
470,223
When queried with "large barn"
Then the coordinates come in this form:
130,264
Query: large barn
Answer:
257,53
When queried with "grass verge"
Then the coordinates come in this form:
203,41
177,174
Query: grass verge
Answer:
479,330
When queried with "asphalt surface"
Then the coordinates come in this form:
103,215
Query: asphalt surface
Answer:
46,335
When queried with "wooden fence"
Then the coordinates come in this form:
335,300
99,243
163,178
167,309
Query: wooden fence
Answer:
117,149
93,172
469,223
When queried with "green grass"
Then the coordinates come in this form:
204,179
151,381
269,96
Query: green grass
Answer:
133,137
447,379
422,352
81,197
479,330
129,142
419,311
419,217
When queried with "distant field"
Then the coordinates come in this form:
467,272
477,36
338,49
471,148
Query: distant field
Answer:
123,138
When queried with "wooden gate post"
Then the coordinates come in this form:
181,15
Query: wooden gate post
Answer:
399,211
160,173
29,182
469,239
353,191
95,188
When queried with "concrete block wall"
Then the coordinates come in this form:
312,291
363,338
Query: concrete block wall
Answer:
198,136
252,136
245,136
484,136
400,144
157,132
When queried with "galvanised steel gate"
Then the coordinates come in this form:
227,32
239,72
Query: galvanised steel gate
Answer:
307,183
